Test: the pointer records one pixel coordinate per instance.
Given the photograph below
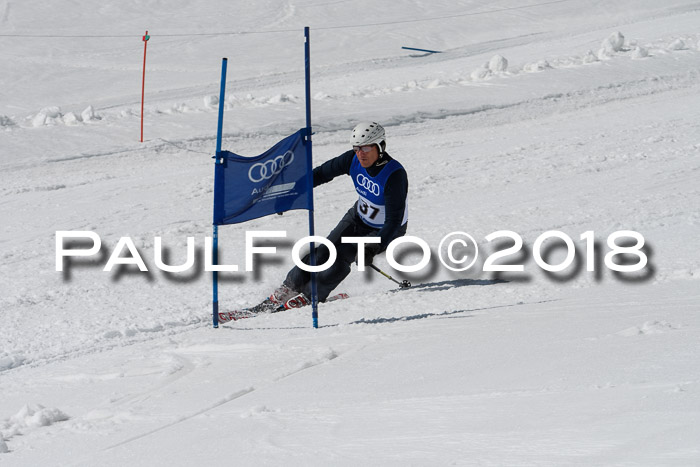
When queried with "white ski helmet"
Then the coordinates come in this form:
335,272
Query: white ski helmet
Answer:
368,133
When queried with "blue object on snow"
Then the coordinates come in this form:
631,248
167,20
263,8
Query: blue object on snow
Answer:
423,50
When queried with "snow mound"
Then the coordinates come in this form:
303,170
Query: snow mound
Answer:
536,67
639,52
211,102
89,115
9,361
30,417
436,83
678,44
47,116
179,108
70,119
589,57
480,73
613,43
6,121
3,445
282,98
53,115
231,102
498,64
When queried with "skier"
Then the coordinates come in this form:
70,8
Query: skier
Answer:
381,211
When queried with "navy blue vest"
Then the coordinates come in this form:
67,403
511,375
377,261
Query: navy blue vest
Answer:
371,207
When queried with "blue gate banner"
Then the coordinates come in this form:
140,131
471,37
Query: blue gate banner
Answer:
277,180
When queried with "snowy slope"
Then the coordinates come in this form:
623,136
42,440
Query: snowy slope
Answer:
574,133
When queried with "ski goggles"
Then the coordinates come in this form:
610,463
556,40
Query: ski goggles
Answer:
364,149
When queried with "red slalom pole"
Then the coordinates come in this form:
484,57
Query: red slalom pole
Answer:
143,81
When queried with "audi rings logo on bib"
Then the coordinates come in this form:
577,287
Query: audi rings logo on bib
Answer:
368,184
266,170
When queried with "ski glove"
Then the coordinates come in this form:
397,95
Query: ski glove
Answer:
371,250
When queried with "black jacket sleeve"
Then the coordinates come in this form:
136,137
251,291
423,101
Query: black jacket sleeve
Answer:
327,171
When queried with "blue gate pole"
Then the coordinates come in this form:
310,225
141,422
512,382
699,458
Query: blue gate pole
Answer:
218,162
309,170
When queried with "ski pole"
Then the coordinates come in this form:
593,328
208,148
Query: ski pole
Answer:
402,285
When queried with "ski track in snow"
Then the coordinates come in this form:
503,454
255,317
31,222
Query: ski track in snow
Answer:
325,357
226,399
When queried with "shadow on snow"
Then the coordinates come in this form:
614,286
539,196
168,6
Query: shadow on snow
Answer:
448,313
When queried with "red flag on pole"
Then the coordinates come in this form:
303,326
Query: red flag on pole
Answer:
143,81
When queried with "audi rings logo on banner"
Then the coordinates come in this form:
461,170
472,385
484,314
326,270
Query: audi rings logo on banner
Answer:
368,184
266,170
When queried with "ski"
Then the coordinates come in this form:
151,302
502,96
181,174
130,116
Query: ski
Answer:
235,315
